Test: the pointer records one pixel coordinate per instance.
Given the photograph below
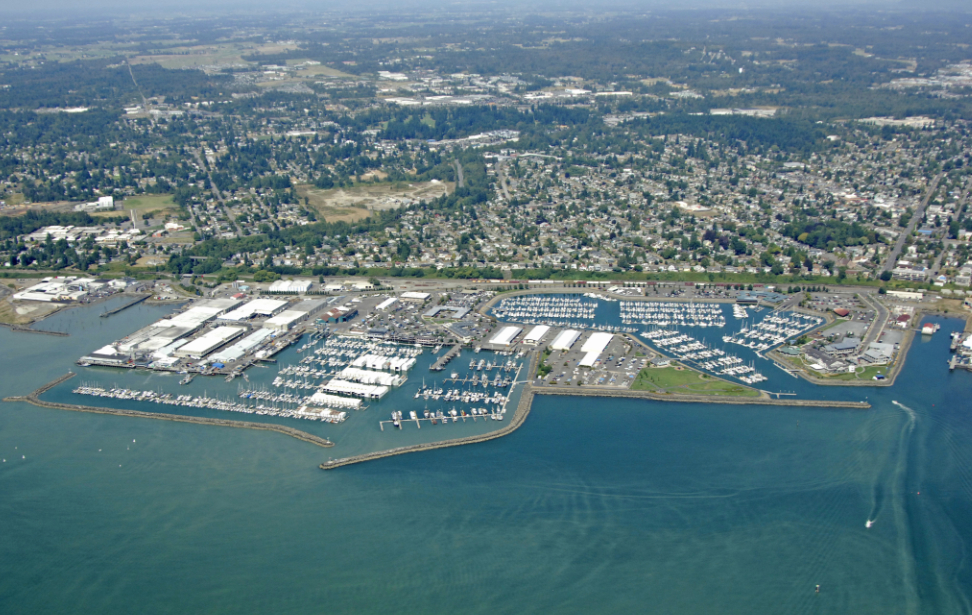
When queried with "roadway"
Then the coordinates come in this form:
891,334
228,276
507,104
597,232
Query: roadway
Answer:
219,195
899,245
459,179
881,315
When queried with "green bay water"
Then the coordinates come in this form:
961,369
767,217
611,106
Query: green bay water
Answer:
594,505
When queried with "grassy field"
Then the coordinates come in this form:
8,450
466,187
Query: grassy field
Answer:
317,70
208,55
867,374
687,382
357,202
142,204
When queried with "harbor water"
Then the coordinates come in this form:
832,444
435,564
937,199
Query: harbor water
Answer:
607,506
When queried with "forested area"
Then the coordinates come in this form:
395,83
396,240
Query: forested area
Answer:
86,82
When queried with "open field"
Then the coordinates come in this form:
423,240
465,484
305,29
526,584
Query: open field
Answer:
142,204
23,313
355,203
317,70
16,206
208,55
680,380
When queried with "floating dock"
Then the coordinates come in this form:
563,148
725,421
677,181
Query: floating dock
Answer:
442,361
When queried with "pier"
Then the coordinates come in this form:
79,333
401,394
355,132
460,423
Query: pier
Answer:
125,307
442,361
34,399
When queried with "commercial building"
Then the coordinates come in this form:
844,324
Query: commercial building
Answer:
59,289
295,314
536,334
593,348
415,296
242,347
455,312
256,308
565,340
290,286
341,313
208,342
505,336
387,303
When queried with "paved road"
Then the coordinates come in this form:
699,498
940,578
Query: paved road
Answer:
937,267
219,195
899,245
880,321
460,180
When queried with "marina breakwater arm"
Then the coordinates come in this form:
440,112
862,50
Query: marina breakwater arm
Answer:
522,410
34,399
519,416
703,399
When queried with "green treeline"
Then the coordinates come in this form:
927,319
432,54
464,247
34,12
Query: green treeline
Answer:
457,122
782,133
828,234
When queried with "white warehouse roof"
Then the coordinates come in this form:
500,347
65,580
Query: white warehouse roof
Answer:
597,342
387,303
565,340
536,334
290,286
262,307
243,346
208,341
505,336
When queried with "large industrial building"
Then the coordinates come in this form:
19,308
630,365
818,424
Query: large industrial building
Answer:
536,335
505,336
206,343
295,314
257,308
593,348
565,340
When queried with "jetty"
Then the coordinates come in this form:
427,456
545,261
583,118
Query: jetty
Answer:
34,399
25,329
121,308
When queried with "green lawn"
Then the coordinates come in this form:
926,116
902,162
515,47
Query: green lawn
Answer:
867,374
686,381
143,203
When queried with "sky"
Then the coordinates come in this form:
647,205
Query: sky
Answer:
61,9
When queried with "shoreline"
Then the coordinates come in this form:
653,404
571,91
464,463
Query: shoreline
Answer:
34,399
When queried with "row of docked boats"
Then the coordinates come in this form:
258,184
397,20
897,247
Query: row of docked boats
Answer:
688,349
212,403
545,307
439,416
672,313
773,330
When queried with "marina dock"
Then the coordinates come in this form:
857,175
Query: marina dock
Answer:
442,361
34,399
